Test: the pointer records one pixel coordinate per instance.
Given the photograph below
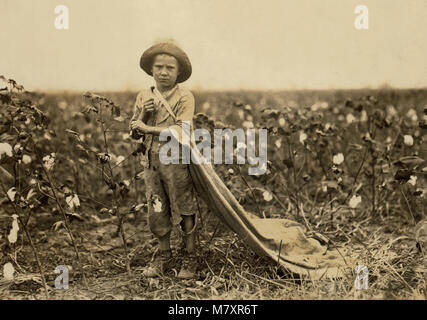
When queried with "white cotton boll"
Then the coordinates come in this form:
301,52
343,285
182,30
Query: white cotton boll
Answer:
47,136
408,140
230,171
241,114
391,111
282,122
17,148
338,159
302,137
157,205
355,201
278,143
5,148
8,271
267,196
248,124
363,116
125,136
315,107
26,159
63,105
73,201
13,235
350,118
119,160
11,193
412,180
412,114
49,161
126,182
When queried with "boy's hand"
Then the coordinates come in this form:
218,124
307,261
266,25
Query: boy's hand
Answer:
139,125
148,105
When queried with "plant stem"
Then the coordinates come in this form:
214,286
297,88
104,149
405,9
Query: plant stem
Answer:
64,217
30,240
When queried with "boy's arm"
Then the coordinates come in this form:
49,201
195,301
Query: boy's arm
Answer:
137,113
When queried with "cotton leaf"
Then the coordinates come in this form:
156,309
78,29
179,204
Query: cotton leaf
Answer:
354,201
8,271
5,148
57,225
30,194
267,196
72,132
338,159
139,206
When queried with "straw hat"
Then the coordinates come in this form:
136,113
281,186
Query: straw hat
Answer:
169,48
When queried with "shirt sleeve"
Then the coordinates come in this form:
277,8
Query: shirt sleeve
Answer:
137,109
181,130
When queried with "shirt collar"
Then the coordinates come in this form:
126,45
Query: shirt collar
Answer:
169,93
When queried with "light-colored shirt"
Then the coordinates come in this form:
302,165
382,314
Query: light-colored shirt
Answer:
182,104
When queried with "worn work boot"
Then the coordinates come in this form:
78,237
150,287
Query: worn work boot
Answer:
159,265
188,267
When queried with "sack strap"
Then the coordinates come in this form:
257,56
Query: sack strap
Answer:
164,102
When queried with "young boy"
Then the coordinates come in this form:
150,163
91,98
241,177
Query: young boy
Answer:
169,187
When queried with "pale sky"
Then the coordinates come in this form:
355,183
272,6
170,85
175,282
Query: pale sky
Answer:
232,44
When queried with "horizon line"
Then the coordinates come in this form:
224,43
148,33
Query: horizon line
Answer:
201,89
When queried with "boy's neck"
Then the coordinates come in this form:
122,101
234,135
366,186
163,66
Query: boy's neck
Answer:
162,89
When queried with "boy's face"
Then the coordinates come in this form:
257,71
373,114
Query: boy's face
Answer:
165,70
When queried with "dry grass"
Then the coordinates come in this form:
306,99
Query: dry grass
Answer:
230,270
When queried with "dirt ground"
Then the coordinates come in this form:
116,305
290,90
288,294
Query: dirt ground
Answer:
227,268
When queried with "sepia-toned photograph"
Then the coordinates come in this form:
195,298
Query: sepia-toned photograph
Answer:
187,150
